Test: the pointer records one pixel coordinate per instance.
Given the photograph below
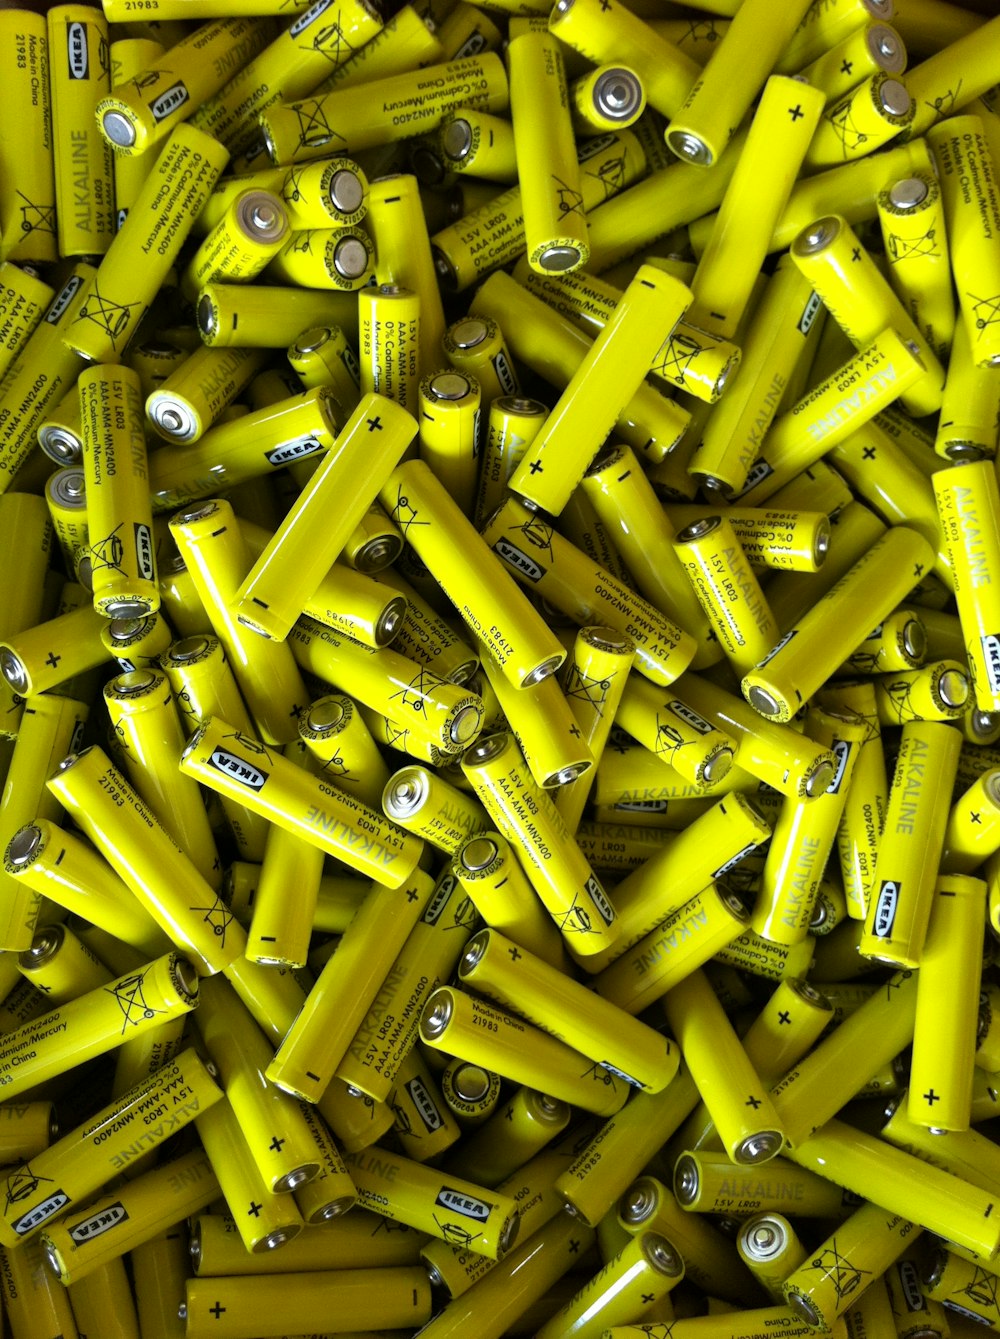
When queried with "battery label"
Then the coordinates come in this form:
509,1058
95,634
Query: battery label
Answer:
991,657
297,448
238,768
458,1202
55,1203
77,50
425,1105
169,100
515,557
99,1223
144,551
886,906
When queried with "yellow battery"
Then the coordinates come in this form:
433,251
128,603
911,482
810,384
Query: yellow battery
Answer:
798,665
599,390
403,257
862,302
448,413
479,144
33,1300
130,57
249,234
302,55
544,726
425,636
474,1030
424,803
322,1032
333,258
49,654
496,884
328,816
513,422
133,1213
818,1086
944,1036
297,131
141,711
675,732
165,90
475,347
527,817
305,545
40,376
903,884
972,834
555,224
964,1288
967,426
119,517
682,942
934,692
492,234
523,646
26,536
863,119
28,199
749,1126
79,76
322,356
137,643
644,1271
260,316
407,40
332,192
146,246
727,590
247,447
500,1150
61,965
389,322
333,729
968,504
769,1247
804,835
777,755
393,1296
495,967
860,1249
75,1166
706,1182
97,1022
68,872
66,498
869,49
24,298
423,1123
911,215
332,1192
186,405
470,1092
784,541
104,1298
967,179
933,83
775,147
706,849
897,643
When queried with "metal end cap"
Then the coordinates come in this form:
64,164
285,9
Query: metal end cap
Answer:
390,620
449,385
277,1238
820,778
335,1208
717,766
686,1179
186,975
199,512
350,258
346,191
133,682
122,629
471,1082
762,1239
886,48
207,319
689,147
983,724
817,236
478,853
509,1234
24,845
803,1307
638,1203
60,445
298,1176
13,670
914,639
698,529
618,93
559,259
312,339
457,139
436,1015
189,648
822,545
761,700
565,775
542,671
325,715
895,98
126,608
469,332
465,724
172,417
404,793
908,193
759,1147
473,952
485,750
45,943
378,553
118,129
661,1255
953,688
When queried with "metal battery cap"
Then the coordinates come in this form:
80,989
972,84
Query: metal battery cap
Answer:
133,682
638,1202
817,236
759,1147
172,416
542,671
125,607
118,129
44,946
325,716
390,620
405,793
717,766
311,340
436,1015
24,845
207,319
471,1082
617,93
914,639
449,385
468,333
190,648
661,1255
559,258
350,259
478,854
763,701
886,48
60,444
894,98
689,147
346,191
698,529
457,139
12,669
473,952
953,688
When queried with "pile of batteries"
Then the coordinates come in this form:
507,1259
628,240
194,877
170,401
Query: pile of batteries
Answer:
500,669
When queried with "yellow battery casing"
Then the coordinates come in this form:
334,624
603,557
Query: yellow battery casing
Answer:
28,199
972,834
555,224
322,356
865,118
24,298
185,406
389,320
644,1271
403,256
424,803
967,426
477,1031
248,235
168,89
333,728
449,414
79,76
495,967
492,877
599,390
399,107
911,216
526,816
143,250
968,504
130,57
351,1242
33,1300
96,1023
675,732
60,964
479,144
968,181
933,83
706,1182
79,1163
340,258
262,316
